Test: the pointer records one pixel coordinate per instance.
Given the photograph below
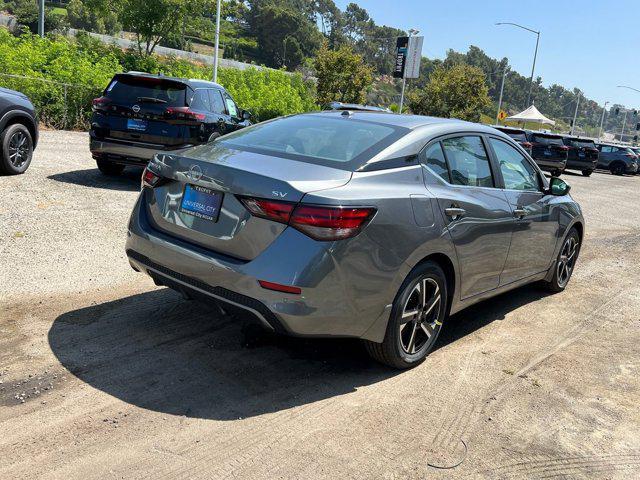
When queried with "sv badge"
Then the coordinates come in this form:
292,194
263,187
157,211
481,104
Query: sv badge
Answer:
275,193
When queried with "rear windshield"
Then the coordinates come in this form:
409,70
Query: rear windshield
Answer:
519,136
334,141
130,90
547,140
582,143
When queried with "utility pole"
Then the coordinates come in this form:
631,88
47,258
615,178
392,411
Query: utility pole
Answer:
217,43
504,74
41,18
624,121
575,115
604,111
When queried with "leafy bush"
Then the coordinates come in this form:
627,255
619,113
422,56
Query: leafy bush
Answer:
86,66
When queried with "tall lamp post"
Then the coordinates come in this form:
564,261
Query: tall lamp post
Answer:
41,18
604,111
535,55
217,43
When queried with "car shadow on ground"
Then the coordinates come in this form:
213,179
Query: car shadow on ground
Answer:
128,181
160,352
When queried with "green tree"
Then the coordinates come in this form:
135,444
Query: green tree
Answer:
456,92
92,16
342,75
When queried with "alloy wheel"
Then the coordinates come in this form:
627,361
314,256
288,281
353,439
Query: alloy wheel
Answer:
18,149
567,260
420,316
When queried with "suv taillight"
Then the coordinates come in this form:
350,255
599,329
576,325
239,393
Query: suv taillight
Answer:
320,222
100,103
149,178
183,113
526,144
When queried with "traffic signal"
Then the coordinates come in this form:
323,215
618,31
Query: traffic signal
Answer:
635,113
635,138
616,111
638,126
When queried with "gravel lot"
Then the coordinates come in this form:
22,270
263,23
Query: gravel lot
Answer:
102,375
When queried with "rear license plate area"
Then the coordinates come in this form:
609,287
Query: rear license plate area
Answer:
136,125
201,202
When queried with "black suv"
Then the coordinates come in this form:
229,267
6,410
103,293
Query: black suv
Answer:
549,151
582,154
140,114
518,135
18,132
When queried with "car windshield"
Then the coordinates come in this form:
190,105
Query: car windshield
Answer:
583,143
516,135
130,90
548,139
327,140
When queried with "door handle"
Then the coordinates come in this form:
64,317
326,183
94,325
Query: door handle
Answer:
454,212
520,213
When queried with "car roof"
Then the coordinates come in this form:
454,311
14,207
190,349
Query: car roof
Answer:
192,82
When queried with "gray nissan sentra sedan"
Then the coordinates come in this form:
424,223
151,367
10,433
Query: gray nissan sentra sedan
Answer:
355,224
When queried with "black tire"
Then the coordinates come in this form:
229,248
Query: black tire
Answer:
17,149
617,169
109,168
556,173
395,351
213,136
560,280
587,173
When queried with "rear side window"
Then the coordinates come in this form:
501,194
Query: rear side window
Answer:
217,104
434,159
468,161
132,90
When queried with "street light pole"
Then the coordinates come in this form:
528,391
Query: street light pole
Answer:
604,111
575,115
504,74
624,122
535,56
217,43
41,18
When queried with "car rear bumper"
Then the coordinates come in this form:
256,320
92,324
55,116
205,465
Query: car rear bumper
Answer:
126,153
327,306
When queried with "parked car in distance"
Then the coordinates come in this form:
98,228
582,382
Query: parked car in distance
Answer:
636,150
354,224
549,151
518,135
140,114
582,155
618,159
18,132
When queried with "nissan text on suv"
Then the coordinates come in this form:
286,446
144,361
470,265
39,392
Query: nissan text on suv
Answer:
140,114
549,152
619,159
583,154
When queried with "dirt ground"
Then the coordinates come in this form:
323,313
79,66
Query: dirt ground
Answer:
103,375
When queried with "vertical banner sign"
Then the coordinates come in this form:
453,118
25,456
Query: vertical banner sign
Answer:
408,56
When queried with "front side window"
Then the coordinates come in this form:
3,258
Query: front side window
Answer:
217,104
468,161
231,106
517,172
434,158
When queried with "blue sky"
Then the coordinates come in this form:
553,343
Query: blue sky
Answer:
592,45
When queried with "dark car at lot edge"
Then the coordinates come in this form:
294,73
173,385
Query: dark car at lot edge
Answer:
636,150
549,151
518,135
618,159
354,224
140,114
18,132
582,155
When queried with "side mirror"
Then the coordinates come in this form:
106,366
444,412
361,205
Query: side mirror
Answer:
246,115
558,187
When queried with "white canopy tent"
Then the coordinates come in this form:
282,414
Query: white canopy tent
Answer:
531,115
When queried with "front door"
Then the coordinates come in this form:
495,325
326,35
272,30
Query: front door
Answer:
536,225
477,214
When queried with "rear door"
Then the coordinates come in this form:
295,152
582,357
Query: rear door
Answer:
535,224
477,214
137,110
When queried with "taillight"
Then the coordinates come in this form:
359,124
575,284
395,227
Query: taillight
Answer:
183,113
630,155
526,144
149,178
100,103
320,222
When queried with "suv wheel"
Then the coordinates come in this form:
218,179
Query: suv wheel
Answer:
17,149
617,169
565,262
587,173
109,168
416,319
556,173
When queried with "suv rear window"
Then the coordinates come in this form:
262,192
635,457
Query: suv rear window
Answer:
547,139
130,90
516,135
318,139
582,143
